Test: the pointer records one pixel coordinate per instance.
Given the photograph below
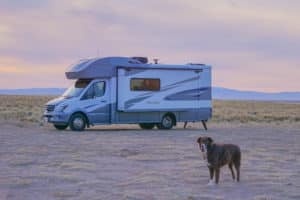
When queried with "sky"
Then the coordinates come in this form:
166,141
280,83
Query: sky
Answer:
251,44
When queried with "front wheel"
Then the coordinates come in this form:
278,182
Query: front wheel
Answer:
77,122
167,122
60,127
147,125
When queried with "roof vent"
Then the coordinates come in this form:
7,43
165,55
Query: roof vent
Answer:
155,60
143,60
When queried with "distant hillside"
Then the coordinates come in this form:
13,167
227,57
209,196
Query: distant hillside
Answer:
34,91
224,93
218,93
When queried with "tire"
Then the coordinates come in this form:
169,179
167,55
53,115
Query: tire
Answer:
60,127
167,122
147,125
77,122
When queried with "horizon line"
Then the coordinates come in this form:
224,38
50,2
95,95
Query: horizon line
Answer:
30,88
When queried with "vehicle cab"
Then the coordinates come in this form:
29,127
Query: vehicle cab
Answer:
84,103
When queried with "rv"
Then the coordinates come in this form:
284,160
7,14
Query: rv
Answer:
129,90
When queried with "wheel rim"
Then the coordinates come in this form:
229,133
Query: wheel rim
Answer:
78,123
167,122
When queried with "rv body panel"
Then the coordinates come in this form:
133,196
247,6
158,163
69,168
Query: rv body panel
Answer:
179,90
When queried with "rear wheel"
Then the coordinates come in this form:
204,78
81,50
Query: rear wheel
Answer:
167,122
60,127
77,122
147,125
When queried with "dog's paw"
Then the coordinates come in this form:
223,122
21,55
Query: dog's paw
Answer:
211,182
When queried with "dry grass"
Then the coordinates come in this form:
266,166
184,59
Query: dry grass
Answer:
30,109
22,108
255,111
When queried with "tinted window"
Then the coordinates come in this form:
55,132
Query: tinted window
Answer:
95,90
89,94
141,84
99,89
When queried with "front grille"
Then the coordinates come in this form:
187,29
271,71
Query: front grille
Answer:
50,108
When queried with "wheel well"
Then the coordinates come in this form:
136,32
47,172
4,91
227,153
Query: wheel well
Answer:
172,115
86,118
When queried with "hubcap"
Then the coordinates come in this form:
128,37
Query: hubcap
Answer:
167,122
78,123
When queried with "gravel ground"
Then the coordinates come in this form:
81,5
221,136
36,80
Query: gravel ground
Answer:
124,162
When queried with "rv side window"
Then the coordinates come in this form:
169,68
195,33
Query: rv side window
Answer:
141,84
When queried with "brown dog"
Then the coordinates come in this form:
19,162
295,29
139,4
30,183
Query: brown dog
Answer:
218,155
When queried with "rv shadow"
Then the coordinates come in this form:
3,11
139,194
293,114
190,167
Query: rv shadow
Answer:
177,130
131,130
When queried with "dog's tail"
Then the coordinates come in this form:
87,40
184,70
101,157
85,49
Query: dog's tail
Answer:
239,158
237,163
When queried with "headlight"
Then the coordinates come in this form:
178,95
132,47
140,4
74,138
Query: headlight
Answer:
62,108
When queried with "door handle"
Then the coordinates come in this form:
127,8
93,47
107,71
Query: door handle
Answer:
103,101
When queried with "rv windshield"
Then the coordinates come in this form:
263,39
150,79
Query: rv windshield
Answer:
76,89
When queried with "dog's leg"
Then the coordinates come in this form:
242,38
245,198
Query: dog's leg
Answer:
237,168
217,175
211,175
237,173
232,172
237,164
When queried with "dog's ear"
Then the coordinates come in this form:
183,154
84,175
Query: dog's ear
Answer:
199,140
210,140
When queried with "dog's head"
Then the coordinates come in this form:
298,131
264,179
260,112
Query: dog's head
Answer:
204,142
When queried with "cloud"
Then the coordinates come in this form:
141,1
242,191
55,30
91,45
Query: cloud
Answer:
17,5
18,73
225,33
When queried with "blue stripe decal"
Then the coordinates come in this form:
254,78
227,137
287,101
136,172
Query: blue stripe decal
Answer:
193,94
89,106
131,102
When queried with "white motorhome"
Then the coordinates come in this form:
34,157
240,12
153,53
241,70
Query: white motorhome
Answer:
129,90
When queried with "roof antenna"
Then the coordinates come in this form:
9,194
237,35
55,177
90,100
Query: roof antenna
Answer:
155,60
98,52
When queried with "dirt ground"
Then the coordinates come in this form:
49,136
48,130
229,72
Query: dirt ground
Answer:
125,162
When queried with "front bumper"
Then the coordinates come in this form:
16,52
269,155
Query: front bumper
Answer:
56,117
